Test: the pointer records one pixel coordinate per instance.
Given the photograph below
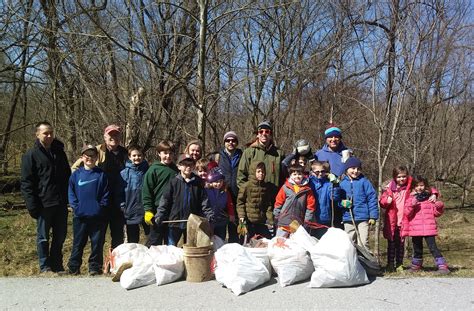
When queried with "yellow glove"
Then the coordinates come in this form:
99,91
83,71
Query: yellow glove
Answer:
371,222
242,228
148,217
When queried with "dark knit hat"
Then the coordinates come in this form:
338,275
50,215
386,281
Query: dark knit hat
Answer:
265,125
352,162
214,175
230,134
333,131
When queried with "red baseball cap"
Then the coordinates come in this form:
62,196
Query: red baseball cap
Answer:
112,128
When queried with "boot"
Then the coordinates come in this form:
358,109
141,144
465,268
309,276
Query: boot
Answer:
416,265
442,266
390,267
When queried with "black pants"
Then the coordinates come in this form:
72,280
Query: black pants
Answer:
232,232
158,235
418,246
116,222
133,233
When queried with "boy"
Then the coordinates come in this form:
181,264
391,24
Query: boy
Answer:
202,169
255,202
360,196
131,203
295,201
154,182
183,196
327,194
88,197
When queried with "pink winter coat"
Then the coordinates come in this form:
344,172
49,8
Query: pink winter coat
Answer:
420,217
391,210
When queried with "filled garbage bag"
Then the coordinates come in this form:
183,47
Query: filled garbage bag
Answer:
126,252
289,260
238,270
168,263
335,262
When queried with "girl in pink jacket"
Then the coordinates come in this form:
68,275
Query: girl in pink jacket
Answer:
420,222
393,201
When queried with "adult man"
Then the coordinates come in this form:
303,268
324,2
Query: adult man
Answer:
262,150
44,184
112,158
332,150
228,160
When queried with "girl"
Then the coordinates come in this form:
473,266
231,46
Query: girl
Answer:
131,203
221,203
393,201
420,222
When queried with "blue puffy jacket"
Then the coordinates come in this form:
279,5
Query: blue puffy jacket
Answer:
131,192
333,157
323,190
363,196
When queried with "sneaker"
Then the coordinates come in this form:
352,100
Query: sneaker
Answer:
94,272
46,270
73,272
62,272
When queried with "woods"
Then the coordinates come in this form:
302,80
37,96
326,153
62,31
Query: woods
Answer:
396,76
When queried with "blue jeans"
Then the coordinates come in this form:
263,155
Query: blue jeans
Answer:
174,235
84,228
51,219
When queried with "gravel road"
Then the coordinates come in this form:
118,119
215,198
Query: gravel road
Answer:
101,293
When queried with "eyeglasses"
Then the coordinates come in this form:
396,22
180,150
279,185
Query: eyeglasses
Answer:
231,141
265,131
319,172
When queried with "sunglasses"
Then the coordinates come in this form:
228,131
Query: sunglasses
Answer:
265,131
232,141
319,172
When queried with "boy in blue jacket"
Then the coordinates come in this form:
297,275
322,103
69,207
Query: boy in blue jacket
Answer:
360,200
88,196
328,196
131,203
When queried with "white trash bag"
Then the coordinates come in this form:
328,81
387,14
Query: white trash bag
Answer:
127,252
304,239
140,274
238,270
290,261
335,262
168,263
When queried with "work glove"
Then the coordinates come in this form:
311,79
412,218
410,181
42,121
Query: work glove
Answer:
242,227
371,222
158,221
148,217
389,200
432,198
122,207
346,204
333,179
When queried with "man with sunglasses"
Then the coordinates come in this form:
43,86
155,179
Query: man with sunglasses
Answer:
262,150
228,160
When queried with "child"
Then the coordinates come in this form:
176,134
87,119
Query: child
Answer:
132,180
420,222
360,202
327,194
154,182
201,169
393,200
255,202
295,201
221,203
183,196
88,197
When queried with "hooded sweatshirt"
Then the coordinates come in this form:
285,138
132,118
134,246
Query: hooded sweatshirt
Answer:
155,180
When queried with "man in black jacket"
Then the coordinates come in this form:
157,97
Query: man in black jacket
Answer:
44,184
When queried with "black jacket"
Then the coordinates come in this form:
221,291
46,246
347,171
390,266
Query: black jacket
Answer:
44,177
181,198
230,173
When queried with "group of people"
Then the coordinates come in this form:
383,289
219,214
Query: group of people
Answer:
257,191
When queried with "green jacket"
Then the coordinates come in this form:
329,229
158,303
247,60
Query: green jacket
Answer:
272,157
256,198
154,182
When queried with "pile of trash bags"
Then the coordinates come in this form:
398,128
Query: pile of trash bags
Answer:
331,261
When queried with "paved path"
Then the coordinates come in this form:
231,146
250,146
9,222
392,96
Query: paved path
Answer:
100,292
